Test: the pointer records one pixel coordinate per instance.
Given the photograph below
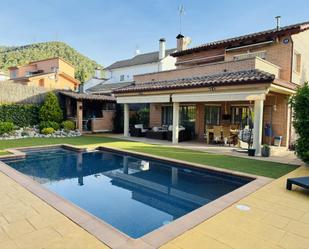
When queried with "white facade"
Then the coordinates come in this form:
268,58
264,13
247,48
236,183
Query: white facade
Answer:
125,74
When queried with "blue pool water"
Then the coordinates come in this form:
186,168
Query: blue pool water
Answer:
132,193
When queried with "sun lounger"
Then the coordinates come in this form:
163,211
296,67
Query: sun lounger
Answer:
299,181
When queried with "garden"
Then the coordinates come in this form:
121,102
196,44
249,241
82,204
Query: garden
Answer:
29,120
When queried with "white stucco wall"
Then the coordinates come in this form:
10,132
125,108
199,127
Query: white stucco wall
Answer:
128,72
301,45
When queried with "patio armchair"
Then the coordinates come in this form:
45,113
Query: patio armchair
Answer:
138,131
217,134
226,135
299,181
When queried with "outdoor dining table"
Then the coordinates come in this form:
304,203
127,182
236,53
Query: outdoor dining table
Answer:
211,130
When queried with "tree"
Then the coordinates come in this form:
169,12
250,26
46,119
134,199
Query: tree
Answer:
81,75
51,110
300,104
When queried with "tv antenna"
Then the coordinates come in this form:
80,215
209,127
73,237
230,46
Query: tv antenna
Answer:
181,11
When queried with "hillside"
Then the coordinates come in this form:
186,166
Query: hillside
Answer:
20,55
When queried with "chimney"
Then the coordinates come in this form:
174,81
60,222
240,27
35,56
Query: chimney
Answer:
137,51
278,20
182,42
161,48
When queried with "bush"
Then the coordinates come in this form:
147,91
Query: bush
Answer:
6,127
68,125
300,104
21,115
47,124
48,130
51,110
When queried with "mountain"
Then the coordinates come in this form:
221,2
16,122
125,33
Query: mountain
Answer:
20,55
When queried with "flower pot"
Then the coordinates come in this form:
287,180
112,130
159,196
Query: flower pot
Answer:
265,152
251,152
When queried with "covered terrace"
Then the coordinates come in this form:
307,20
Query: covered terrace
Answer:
90,112
222,105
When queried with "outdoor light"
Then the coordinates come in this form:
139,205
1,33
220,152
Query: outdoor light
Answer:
243,207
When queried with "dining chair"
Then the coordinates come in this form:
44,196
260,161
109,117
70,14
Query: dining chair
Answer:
217,133
226,134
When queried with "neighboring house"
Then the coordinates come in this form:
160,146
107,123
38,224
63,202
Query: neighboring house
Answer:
122,72
3,76
53,73
219,83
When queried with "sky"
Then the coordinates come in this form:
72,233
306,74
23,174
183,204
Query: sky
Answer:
111,30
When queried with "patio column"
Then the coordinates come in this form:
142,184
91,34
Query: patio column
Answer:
126,120
258,125
175,122
79,115
68,106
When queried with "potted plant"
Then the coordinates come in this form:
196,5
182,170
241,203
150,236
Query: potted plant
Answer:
266,150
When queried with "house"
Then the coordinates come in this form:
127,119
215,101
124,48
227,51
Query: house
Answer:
53,73
224,83
121,73
3,76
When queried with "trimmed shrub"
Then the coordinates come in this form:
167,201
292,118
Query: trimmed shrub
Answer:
51,110
68,125
300,104
48,130
21,115
47,124
6,127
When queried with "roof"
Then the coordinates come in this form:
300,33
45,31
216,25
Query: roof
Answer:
34,62
108,87
266,34
140,59
221,79
85,96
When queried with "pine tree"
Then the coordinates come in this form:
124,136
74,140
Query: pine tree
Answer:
51,110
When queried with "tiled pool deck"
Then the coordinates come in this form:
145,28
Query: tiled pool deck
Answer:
277,219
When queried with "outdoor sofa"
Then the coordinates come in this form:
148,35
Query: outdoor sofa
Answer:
138,130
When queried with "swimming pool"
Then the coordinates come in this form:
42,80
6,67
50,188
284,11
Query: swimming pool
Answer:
133,193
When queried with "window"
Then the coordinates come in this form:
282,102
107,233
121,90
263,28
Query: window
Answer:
297,62
122,77
212,115
167,115
13,74
41,82
240,115
187,117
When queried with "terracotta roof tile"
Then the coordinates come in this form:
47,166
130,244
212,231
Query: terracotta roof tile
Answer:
296,28
81,96
221,79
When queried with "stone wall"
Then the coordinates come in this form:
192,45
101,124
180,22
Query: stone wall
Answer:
17,93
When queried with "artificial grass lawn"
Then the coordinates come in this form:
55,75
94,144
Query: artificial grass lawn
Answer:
2,153
256,167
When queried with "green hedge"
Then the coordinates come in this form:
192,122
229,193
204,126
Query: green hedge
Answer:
6,127
20,114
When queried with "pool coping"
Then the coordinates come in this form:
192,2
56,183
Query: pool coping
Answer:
111,236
